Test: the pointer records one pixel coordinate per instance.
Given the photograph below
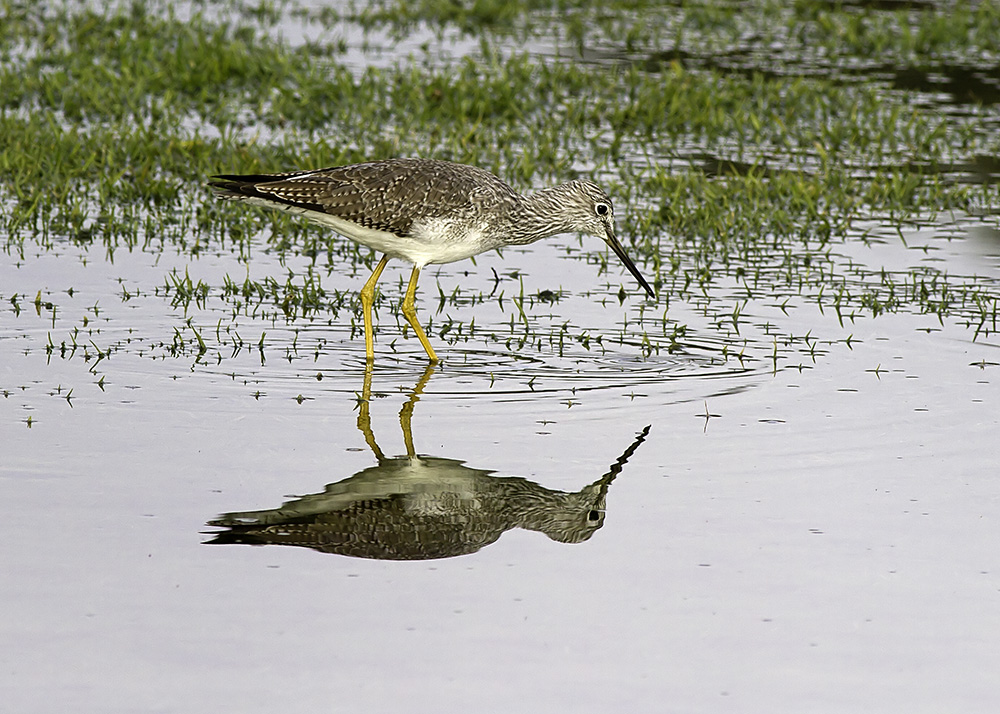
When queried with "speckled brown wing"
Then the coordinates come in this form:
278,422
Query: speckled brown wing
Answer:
382,195
383,528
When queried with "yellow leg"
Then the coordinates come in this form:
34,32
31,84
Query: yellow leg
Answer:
364,414
406,413
367,300
410,313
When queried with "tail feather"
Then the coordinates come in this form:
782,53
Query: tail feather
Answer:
245,185
234,186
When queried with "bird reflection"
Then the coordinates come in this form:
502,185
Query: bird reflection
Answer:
421,507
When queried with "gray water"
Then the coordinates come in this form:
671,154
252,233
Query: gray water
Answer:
823,535
814,533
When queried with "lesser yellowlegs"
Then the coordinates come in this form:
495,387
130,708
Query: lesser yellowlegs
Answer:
427,211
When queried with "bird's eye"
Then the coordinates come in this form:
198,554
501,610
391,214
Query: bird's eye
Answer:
602,209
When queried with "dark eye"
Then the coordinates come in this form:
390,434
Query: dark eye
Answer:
602,209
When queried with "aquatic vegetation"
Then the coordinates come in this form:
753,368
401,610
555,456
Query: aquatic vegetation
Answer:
748,150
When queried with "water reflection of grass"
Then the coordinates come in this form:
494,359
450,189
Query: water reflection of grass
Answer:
742,144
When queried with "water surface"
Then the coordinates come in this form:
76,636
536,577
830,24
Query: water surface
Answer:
809,522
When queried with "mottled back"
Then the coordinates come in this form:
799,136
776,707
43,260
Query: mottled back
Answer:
380,195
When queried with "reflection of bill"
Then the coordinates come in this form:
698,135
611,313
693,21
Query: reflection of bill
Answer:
418,507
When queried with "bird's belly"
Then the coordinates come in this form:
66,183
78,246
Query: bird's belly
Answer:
437,242
445,240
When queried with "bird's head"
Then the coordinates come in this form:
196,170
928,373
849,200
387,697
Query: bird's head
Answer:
595,215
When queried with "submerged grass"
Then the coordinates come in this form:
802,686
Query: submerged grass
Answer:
743,146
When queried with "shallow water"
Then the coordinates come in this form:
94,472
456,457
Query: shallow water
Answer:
809,524
817,534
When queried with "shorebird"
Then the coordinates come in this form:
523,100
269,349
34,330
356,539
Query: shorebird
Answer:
417,507
426,211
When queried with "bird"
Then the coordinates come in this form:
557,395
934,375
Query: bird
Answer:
419,508
416,507
427,211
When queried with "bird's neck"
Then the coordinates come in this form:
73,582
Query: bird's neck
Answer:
558,514
540,215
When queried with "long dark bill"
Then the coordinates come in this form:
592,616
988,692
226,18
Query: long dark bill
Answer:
612,241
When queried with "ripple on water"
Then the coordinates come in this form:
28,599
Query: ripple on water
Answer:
499,374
